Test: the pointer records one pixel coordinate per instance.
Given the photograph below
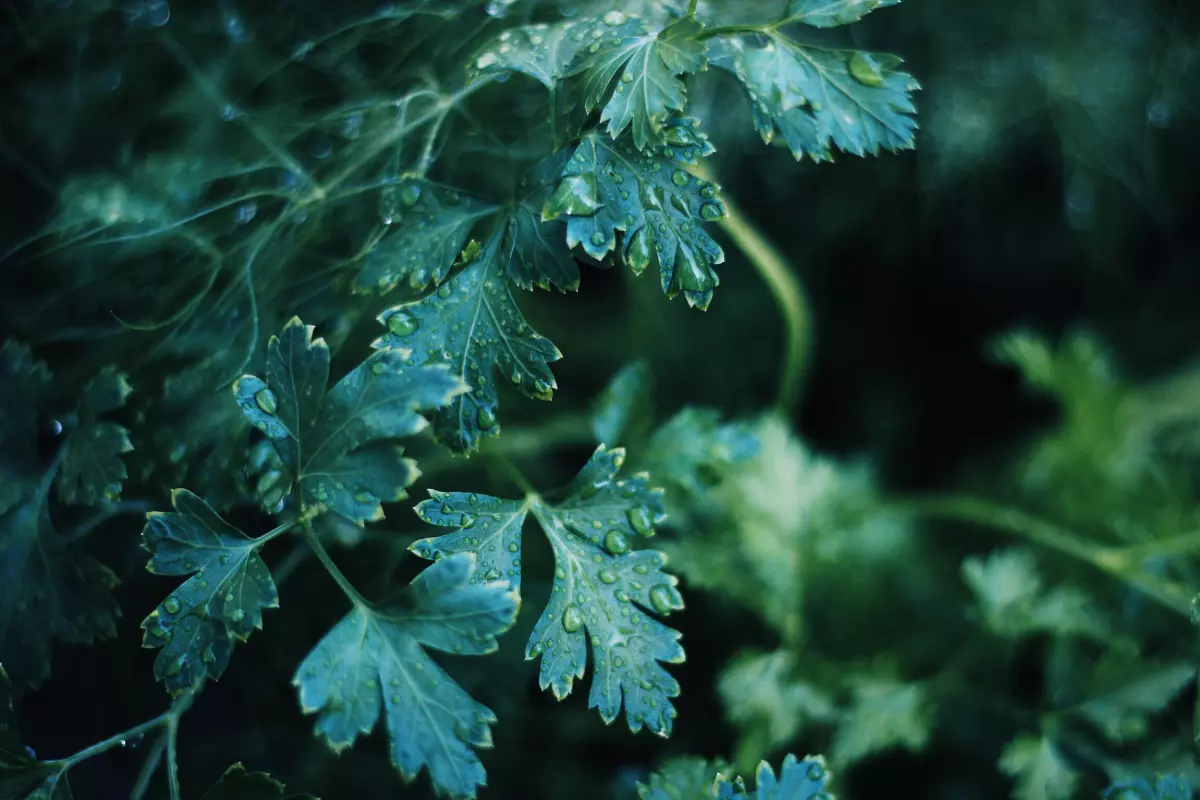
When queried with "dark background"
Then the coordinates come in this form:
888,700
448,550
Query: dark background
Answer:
1055,186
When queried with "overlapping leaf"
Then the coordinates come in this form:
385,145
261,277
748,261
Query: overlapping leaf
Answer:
230,587
819,99
799,779
337,446
474,327
603,592
535,252
540,51
649,63
21,774
238,784
377,658
1165,787
681,779
92,467
427,228
831,13
659,208
49,590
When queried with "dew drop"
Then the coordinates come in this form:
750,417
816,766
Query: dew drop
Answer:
486,418
616,543
865,70
598,239
711,211
265,399
572,619
608,576
402,323
172,605
665,599
410,194
238,615
614,18
639,518
680,178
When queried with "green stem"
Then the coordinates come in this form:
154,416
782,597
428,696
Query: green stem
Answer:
781,279
726,30
323,556
166,719
148,769
1112,561
691,12
510,470
173,758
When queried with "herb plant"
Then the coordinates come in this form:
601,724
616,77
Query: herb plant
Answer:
329,263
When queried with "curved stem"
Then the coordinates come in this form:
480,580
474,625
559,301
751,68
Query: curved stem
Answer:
173,759
1113,561
148,769
342,581
785,287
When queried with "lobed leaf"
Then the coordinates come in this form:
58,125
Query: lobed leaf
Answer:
336,446
92,467
659,208
238,784
377,658
686,778
21,774
819,99
1165,787
534,251
1040,771
804,779
472,325
223,601
831,13
626,398
603,591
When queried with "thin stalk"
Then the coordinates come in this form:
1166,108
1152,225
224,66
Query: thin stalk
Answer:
1111,561
148,768
173,759
507,466
339,578
785,287
691,12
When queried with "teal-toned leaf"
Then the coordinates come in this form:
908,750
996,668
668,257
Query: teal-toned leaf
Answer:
472,325
427,228
604,592
658,207
337,445
1166,787
686,778
831,13
884,714
92,467
489,527
539,51
1039,768
49,590
222,601
376,658
766,697
535,251
626,398
695,447
21,774
1125,690
798,780
649,63
819,99
238,784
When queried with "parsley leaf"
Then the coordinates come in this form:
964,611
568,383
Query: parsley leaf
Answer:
377,654
798,780
223,600
540,51
22,775
622,404
473,325
819,99
535,251
427,228
831,13
1039,768
681,779
92,467
238,784
885,713
336,446
658,206
50,590
649,63
603,589
1166,787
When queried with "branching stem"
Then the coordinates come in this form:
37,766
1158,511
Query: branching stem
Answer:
342,581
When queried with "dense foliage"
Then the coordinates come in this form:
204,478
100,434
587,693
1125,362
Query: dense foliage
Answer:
295,283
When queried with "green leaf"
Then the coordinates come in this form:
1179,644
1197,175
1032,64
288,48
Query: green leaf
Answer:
623,401
50,591
798,780
21,774
92,467
539,51
1166,787
337,445
223,600
603,590
238,784
686,778
427,228
379,654
885,714
695,447
534,251
831,13
659,207
1126,689
1040,770
473,325
765,696
649,63
819,99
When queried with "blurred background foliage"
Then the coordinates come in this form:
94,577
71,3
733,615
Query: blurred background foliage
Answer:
961,567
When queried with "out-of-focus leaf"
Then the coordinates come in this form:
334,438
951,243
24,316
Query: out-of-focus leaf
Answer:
21,774
686,778
1166,787
649,62
659,208
473,325
1125,690
376,659
884,714
766,697
603,589
92,467
337,446
223,600
819,99
1040,770
238,784
831,13
626,397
